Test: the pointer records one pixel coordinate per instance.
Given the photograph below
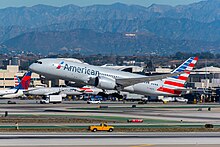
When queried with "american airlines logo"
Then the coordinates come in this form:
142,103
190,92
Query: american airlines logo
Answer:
60,65
83,70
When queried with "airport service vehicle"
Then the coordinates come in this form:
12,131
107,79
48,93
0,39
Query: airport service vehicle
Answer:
135,120
45,101
11,102
94,102
17,91
52,99
110,79
168,99
101,127
181,99
134,97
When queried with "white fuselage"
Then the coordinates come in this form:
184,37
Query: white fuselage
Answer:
44,91
11,93
81,72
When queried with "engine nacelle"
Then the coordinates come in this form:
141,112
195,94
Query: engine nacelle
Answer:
42,79
105,83
73,84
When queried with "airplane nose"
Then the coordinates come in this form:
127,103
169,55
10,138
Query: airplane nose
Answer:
32,67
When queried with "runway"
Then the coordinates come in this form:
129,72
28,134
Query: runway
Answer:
30,114
170,112
111,139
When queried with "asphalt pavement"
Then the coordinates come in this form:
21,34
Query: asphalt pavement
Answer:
114,139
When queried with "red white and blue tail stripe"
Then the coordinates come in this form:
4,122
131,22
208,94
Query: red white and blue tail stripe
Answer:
172,85
17,80
24,82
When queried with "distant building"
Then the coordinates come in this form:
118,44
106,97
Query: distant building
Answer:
132,69
5,63
15,61
12,61
7,77
207,77
163,70
126,63
158,71
130,34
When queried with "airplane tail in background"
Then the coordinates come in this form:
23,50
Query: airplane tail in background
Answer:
17,80
173,85
25,81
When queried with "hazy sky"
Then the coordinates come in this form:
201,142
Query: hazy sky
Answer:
18,3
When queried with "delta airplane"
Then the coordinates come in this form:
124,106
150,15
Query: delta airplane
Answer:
18,90
110,79
64,91
45,91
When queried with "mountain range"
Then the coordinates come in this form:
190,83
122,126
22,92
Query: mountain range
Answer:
105,29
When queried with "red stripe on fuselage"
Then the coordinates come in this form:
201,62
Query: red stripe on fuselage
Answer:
86,89
168,90
174,83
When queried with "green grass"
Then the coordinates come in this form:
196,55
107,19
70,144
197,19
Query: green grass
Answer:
101,118
124,119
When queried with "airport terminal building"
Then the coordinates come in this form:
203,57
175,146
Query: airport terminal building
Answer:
7,75
207,77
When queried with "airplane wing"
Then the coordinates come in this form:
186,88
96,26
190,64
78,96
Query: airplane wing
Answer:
131,81
63,90
38,91
1,95
54,92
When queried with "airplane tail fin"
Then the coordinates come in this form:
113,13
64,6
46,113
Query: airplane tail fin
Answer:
17,80
25,81
186,67
178,82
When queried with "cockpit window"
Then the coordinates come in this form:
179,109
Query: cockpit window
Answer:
38,62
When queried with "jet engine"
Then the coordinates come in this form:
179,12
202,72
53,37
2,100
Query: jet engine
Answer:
104,83
42,79
73,84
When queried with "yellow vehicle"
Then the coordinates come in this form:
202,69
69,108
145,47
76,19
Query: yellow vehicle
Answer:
101,127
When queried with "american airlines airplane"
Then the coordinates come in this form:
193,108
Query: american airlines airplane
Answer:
18,90
110,79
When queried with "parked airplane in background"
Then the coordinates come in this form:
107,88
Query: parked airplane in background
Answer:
45,91
18,90
67,91
110,79
90,90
